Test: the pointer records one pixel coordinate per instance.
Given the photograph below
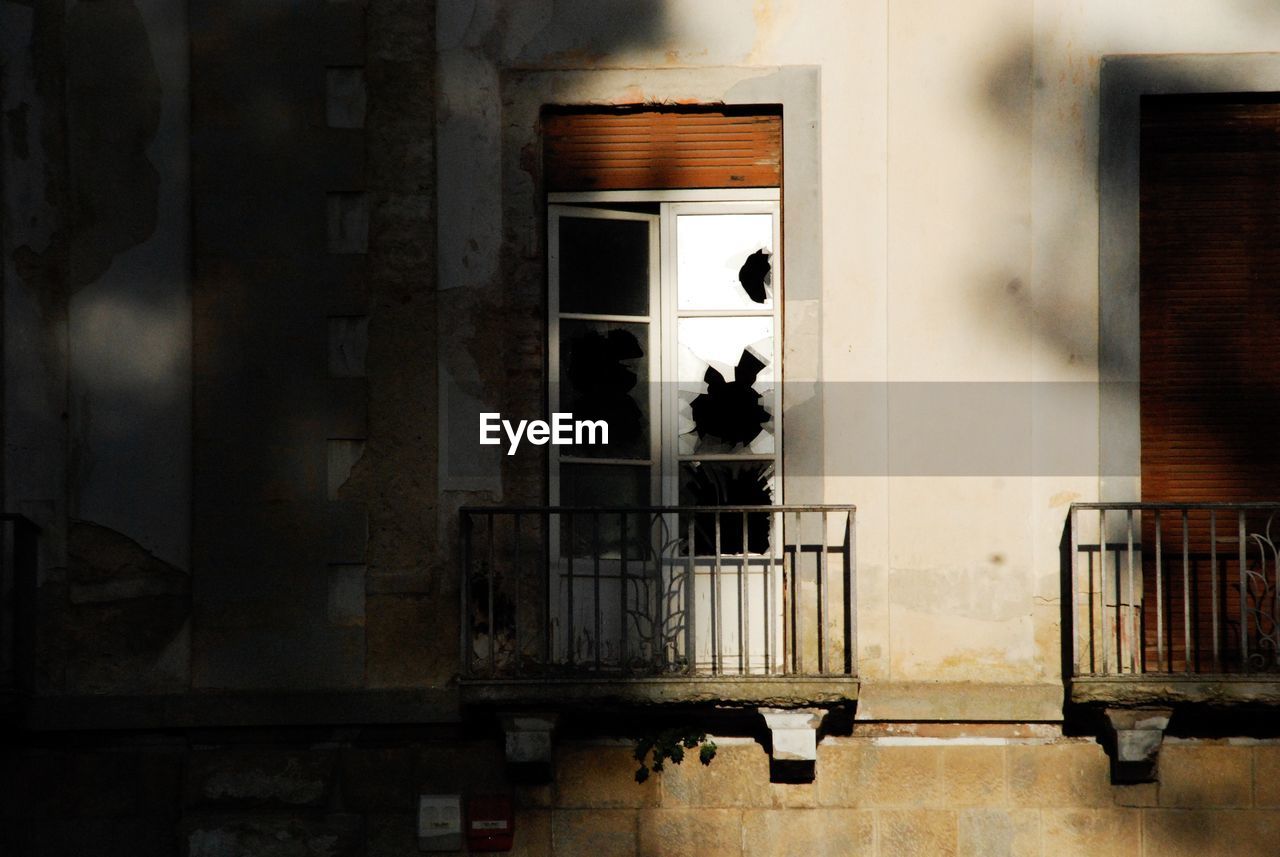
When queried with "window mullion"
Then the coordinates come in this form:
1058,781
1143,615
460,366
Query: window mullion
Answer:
669,477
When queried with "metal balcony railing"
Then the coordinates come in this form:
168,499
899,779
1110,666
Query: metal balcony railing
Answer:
18,568
1175,588
657,591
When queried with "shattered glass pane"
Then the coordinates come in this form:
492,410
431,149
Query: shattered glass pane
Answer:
604,375
726,397
724,261
728,483
604,485
604,266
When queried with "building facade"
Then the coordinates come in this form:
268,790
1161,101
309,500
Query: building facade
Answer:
933,348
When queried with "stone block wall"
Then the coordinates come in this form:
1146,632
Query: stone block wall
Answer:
354,795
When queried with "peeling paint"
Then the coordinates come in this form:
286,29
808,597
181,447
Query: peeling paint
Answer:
1062,498
994,593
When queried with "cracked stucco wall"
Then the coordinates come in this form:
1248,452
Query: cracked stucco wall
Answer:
97,324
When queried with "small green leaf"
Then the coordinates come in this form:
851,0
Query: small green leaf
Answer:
642,774
677,754
707,753
643,746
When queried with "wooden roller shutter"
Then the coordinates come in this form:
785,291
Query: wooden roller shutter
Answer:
1210,355
1210,298
635,149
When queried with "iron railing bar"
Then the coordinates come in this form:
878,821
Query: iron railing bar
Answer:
622,594
1132,624
570,646
824,592
548,632
850,596
660,620
796,636
788,621
716,623
1075,594
1160,661
652,509
1186,591
1106,637
767,598
742,600
595,583
464,632
1244,600
493,629
1176,507
1275,590
515,591
1213,585
691,654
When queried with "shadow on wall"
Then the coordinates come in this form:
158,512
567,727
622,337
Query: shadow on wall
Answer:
1052,98
493,330
113,111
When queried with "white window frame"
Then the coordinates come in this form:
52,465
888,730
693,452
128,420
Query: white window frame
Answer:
654,346
662,319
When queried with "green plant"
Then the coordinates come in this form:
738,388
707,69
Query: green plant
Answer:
653,751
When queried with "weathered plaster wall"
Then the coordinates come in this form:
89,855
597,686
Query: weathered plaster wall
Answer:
298,196
129,313
97,331
993,275
958,348
35,317
957,245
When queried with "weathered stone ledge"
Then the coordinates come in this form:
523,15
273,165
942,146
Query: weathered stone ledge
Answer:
960,701
773,691
1199,689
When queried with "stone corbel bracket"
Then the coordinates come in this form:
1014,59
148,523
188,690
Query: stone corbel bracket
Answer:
1137,734
794,739
528,745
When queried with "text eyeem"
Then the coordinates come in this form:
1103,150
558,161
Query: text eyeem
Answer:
561,431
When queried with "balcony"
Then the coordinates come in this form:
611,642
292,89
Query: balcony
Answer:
663,604
1174,603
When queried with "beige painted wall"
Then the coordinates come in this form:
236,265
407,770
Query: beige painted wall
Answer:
959,220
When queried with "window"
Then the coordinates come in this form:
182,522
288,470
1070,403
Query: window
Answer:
665,303
1210,282
664,313
663,320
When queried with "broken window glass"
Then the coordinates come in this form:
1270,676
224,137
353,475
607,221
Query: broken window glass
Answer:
604,266
728,483
726,385
725,261
604,375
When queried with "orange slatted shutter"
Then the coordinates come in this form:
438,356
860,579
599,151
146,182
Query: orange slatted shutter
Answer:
1210,300
661,149
1210,354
